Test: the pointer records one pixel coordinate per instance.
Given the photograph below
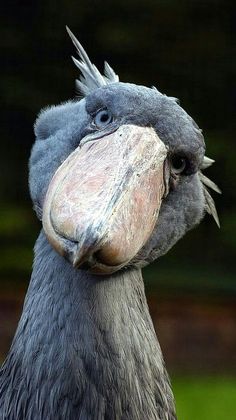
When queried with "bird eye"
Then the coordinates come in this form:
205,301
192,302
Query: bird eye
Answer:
103,118
178,164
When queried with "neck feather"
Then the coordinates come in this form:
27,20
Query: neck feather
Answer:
85,347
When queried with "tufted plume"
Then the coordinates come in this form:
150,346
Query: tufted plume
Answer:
207,183
91,77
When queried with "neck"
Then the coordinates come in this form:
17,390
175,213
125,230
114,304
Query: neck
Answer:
85,344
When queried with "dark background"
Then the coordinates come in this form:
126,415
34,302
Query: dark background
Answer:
187,49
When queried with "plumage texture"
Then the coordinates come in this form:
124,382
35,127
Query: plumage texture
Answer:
85,347
82,352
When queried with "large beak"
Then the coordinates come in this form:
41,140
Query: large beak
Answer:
103,201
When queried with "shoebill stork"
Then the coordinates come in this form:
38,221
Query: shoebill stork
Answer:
116,179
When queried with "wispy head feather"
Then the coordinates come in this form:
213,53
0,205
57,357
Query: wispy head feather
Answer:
91,78
207,183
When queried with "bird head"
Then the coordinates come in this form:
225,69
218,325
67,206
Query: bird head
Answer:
116,175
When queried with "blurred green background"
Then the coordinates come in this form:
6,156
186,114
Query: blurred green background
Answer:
186,48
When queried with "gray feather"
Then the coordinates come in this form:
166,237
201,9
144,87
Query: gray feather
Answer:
207,162
210,184
91,78
207,183
110,75
210,206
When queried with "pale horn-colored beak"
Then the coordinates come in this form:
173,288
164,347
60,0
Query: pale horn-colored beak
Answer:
103,201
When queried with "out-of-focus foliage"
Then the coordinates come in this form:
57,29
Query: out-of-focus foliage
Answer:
201,398
185,48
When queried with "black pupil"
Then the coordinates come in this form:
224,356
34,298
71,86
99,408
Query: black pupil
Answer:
104,117
178,162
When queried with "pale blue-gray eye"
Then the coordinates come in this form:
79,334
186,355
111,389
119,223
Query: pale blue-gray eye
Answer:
103,118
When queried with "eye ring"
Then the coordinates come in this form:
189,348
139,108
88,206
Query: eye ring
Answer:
103,118
178,164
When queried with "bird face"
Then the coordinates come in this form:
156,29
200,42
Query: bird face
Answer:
115,176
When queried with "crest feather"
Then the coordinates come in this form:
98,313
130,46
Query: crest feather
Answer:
91,78
210,184
207,183
210,206
207,162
